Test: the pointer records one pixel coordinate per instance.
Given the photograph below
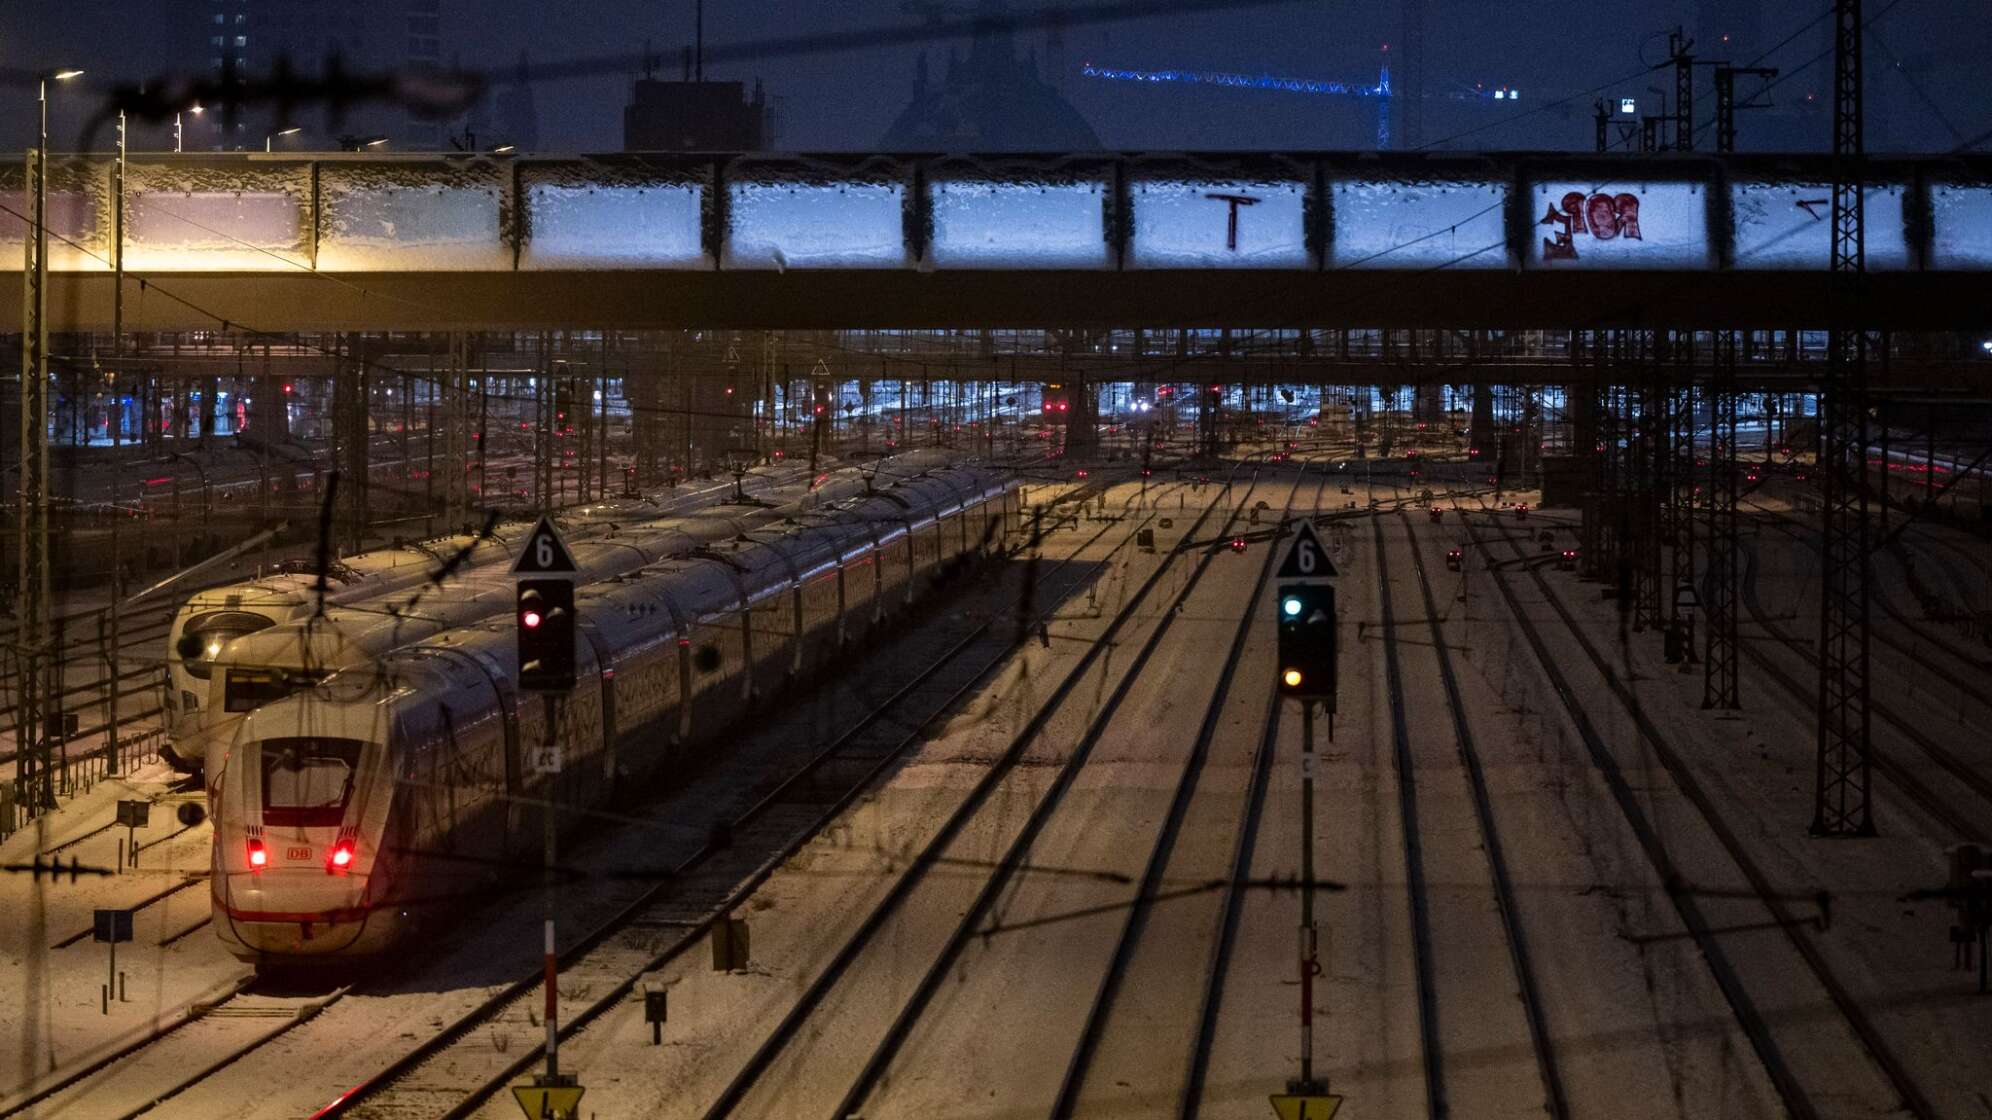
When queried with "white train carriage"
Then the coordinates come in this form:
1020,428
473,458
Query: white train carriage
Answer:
633,532
340,806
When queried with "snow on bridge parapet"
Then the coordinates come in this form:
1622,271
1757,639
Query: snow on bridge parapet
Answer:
372,213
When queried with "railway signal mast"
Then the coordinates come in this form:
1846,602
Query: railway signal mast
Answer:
1306,621
546,632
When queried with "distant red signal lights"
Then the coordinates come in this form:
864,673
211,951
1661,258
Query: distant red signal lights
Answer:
1238,544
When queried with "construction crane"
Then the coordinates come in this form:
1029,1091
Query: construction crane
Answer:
1379,93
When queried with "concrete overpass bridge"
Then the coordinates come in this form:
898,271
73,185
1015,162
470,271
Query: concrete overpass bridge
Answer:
1246,240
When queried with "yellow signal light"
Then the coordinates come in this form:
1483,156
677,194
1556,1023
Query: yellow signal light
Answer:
1292,678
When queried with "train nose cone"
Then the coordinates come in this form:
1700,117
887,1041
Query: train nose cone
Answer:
295,912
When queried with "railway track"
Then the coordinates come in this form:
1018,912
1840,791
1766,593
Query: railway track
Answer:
789,816
1911,650
1798,1099
1100,1014
1919,793
1555,1100
222,1043
1431,1050
1231,907
1004,868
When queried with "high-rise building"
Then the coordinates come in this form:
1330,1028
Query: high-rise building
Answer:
251,36
518,116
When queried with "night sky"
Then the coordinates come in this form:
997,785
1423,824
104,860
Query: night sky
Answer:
846,100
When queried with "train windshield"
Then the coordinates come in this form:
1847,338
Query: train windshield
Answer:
246,689
204,635
307,781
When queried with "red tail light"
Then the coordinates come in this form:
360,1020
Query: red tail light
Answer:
342,855
258,855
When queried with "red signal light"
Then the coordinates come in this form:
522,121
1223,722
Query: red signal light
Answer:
1238,544
258,855
288,386
530,620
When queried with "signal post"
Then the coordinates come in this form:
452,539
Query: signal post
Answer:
1306,622
546,642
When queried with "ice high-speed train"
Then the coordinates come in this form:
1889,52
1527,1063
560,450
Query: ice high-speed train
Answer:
608,538
338,803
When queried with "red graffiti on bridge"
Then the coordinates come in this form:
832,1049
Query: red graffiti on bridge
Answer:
1603,216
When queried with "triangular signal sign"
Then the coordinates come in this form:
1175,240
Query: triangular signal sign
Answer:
544,554
1305,557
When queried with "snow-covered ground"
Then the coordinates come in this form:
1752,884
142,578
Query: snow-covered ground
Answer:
1639,1023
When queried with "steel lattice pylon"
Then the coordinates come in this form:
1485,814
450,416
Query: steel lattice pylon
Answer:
34,768
1719,680
1678,493
1651,467
1600,542
1840,802
456,424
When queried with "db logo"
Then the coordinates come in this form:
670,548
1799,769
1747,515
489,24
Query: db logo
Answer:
1602,216
297,853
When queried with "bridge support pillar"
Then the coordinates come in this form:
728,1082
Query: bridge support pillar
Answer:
1481,440
452,414
1082,430
350,439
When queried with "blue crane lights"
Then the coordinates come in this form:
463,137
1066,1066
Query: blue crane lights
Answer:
1380,91
1243,81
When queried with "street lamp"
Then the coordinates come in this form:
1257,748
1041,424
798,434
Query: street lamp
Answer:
179,130
269,140
52,76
